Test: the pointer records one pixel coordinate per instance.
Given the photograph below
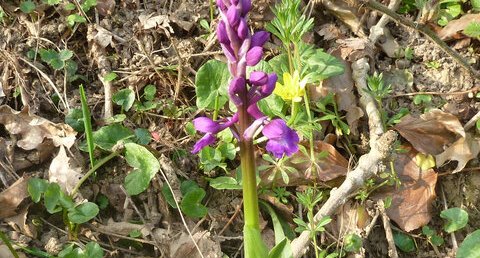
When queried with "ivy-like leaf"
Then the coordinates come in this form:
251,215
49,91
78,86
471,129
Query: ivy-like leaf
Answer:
36,187
83,212
145,167
124,98
470,247
106,137
212,80
191,203
457,218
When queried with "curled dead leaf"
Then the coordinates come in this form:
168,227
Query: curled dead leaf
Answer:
63,173
457,25
432,132
462,151
12,197
329,166
184,247
33,130
412,201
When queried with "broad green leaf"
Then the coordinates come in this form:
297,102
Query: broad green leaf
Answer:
272,106
470,247
74,118
353,243
323,65
51,198
253,244
204,24
475,5
212,80
118,118
124,98
437,240
149,92
73,18
457,218
404,242
36,187
279,65
71,68
57,64
142,136
422,98
27,6
145,167
225,183
69,7
88,4
281,250
473,29
106,137
187,186
110,77
83,212
51,2
93,250
191,203
228,150
47,55
65,54
168,196
427,231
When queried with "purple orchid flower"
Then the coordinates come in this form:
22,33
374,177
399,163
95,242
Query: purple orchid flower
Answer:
243,49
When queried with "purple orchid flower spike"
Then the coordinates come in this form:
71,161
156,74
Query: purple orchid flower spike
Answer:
243,49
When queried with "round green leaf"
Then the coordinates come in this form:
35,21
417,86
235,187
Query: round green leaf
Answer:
27,6
142,136
353,243
51,198
456,219
83,212
224,183
74,118
145,167
36,187
110,77
65,54
93,250
149,92
191,203
404,242
107,136
212,80
470,247
124,98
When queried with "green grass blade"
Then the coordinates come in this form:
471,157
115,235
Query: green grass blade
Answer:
88,125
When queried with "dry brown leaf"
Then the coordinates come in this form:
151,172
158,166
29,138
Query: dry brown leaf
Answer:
11,198
350,218
122,228
184,247
150,22
61,172
330,167
412,202
19,223
462,151
458,25
432,132
33,129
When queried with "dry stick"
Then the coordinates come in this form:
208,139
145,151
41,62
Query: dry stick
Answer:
392,250
452,235
425,31
377,30
367,164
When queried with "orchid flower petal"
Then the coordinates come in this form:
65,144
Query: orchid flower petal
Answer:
281,139
254,55
207,139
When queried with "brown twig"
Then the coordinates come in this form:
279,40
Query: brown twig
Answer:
374,5
392,250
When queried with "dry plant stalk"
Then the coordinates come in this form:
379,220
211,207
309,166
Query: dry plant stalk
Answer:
380,144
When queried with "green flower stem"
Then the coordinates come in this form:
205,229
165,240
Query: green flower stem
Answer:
294,113
97,165
6,241
254,246
289,55
211,13
310,121
217,107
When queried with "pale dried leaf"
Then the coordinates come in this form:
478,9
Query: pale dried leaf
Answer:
150,22
432,132
19,223
412,202
351,217
122,228
33,129
63,173
462,151
102,37
457,25
184,247
328,168
11,198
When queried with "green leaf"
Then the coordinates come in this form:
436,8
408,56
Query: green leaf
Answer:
51,198
51,2
83,212
204,24
110,77
211,80
36,187
93,250
88,4
102,201
124,98
190,129
228,150
187,186
475,5
65,54
427,231
323,65
87,125
225,183
145,167
118,118
191,203
470,247
73,18
404,242
142,136
254,246
108,136
69,7
48,55
71,68
74,118
27,6
422,98
57,64
149,92
457,218
436,240
473,29
168,196
281,250
353,243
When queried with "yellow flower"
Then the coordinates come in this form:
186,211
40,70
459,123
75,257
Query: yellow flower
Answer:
292,89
